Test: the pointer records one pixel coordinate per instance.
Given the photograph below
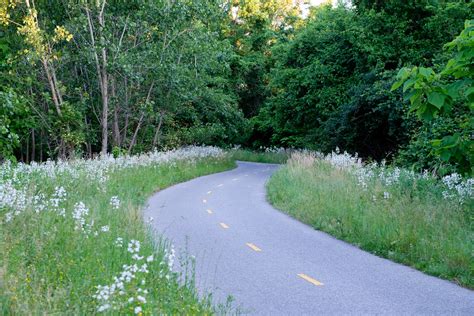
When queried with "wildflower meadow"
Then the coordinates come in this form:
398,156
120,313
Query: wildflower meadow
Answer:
73,239
413,218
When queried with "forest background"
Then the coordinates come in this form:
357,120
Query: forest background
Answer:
389,80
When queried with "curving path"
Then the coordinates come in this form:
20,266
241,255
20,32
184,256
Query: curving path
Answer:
272,264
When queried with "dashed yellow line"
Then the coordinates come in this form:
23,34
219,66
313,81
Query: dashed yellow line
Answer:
310,279
253,247
209,211
223,225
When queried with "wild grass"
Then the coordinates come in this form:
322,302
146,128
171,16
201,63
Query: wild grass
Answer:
57,251
413,219
278,156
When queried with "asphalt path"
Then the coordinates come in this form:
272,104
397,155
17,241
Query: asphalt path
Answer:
274,265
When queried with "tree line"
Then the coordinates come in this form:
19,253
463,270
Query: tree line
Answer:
85,77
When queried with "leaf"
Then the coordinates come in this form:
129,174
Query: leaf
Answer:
437,99
408,84
415,99
445,155
426,72
408,96
449,66
404,73
469,92
436,142
397,85
454,88
450,141
426,112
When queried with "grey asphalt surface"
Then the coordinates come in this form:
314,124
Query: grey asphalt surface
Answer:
267,282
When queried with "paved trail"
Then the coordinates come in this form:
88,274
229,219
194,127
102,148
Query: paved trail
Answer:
272,264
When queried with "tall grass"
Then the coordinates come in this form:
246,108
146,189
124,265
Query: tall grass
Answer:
73,240
413,219
269,155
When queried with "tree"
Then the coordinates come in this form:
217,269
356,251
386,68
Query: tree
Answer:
253,27
42,46
434,93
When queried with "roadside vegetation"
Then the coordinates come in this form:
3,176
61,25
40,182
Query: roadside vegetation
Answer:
412,218
89,77
73,239
264,155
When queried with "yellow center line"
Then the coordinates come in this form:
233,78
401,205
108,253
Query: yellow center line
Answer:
204,201
223,225
310,279
253,247
209,211
209,192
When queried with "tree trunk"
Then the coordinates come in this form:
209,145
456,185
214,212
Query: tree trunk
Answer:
56,85
105,104
102,76
125,129
105,88
125,106
115,126
134,137
51,86
116,130
27,149
41,145
156,138
33,145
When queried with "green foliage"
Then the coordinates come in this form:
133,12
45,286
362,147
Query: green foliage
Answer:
244,71
432,94
373,123
269,155
117,152
309,83
167,70
253,28
13,120
329,82
418,153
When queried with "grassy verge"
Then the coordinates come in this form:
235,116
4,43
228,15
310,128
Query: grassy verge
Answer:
268,156
68,228
412,219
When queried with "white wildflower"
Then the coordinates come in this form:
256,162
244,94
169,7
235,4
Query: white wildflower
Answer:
137,257
115,202
8,217
79,213
133,246
103,308
119,242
